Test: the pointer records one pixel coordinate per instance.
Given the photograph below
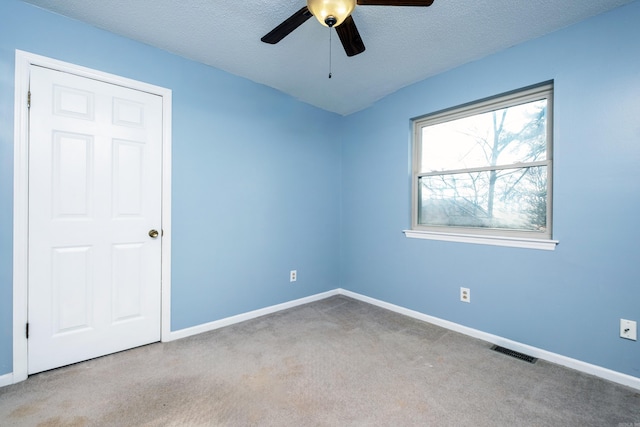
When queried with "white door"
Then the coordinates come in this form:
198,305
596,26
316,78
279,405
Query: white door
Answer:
95,170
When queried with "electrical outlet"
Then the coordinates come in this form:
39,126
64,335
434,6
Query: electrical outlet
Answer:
293,275
628,329
465,295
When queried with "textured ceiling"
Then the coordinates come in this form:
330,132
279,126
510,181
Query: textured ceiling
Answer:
403,44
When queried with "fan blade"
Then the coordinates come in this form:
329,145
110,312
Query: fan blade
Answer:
350,37
287,27
394,2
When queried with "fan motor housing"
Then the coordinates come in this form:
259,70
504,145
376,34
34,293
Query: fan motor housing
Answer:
330,21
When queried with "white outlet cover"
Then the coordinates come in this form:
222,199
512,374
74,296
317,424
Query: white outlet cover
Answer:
465,295
628,329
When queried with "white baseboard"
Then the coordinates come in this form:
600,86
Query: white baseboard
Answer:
206,327
578,365
6,379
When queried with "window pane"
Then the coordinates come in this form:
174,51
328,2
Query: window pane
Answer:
514,199
510,135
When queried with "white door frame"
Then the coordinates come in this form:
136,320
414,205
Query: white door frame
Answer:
24,60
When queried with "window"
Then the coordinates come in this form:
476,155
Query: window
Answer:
482,171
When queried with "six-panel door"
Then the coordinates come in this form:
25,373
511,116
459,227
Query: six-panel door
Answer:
95,169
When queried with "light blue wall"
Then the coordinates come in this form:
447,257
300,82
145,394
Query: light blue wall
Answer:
255,176
568,301
259,189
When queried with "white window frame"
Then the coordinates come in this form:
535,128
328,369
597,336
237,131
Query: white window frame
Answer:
499,237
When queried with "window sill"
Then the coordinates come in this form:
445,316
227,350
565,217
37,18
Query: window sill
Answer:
515,242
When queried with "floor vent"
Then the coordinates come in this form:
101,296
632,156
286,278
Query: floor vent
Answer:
515,354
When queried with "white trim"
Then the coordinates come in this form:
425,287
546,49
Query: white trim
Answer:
24,60
217,324
20,216
6,379
514,242
578,365
167,114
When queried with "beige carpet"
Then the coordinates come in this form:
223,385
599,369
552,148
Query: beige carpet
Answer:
335,362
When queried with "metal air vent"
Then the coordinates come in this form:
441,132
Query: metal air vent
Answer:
515,354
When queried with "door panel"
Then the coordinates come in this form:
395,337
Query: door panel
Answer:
127,177
71,289
128,281
72,171
95,170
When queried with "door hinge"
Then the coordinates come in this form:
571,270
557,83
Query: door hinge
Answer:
29,99
27,331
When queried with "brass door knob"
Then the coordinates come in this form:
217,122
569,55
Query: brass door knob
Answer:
153,233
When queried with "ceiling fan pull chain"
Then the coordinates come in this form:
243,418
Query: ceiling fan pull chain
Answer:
329,52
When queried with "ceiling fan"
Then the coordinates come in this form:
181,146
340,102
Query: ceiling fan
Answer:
335,13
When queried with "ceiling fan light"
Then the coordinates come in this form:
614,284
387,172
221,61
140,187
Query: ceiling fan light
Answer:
338,9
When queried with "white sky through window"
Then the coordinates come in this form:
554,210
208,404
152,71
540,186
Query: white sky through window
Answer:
465,142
